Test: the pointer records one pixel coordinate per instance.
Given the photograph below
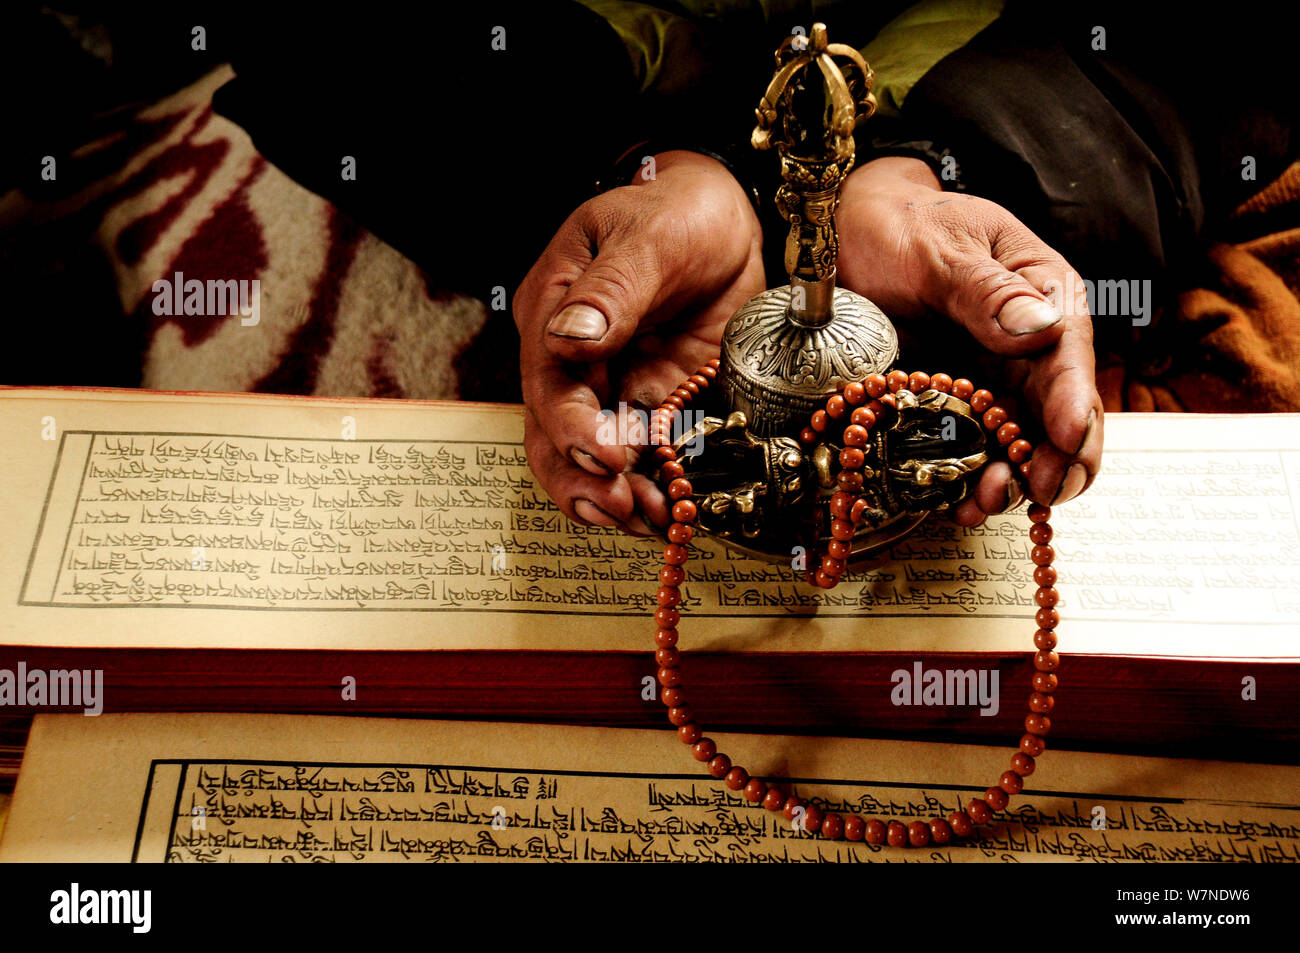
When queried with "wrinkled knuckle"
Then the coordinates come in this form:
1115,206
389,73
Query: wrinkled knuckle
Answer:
976,283
531,390
602,218
519,302
618,280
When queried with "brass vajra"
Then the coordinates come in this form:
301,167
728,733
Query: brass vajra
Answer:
789,348
831,84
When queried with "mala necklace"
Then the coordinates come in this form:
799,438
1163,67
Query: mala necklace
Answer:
863,403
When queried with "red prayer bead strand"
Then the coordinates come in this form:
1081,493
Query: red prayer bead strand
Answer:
847,510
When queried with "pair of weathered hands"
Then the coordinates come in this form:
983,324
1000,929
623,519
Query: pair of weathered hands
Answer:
633,292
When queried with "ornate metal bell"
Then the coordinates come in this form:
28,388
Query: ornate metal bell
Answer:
790,348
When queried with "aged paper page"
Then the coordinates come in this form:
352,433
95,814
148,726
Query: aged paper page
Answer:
285,788
144,519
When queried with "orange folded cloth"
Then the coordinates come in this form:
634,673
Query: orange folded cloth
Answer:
1231,342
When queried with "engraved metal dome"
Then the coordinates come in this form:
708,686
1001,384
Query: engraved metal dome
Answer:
778,370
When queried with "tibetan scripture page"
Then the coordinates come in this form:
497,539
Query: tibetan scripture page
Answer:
285,788
144,519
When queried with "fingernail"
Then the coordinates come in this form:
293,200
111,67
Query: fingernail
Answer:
592,513
1087,431
589,463
1024,315
1015,496
638,526
579,321
1071,484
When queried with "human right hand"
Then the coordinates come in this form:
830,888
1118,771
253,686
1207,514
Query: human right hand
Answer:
628,299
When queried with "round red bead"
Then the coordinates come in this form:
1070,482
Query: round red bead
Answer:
812,818
670,677
849,481
1037,724
854,828
832,827
896,834
672,575
994,418
679,489
792,805
852,458
918,833
855,436
684,511
863,417
680,533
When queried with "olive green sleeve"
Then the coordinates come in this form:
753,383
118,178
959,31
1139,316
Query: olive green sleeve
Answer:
665,48
909,46
668,50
